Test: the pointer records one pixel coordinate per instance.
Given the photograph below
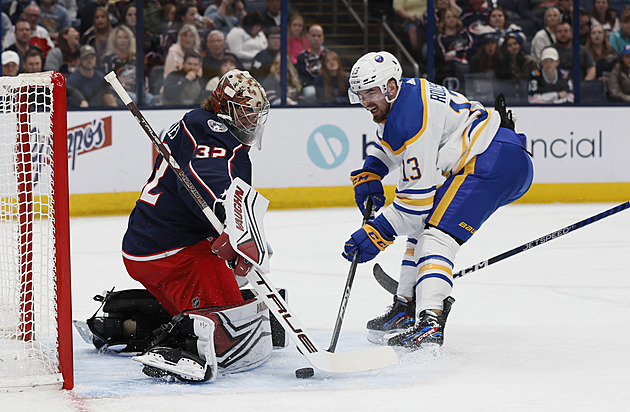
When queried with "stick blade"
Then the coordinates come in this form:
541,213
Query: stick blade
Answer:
363,360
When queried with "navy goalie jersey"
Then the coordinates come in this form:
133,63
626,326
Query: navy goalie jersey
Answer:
166,218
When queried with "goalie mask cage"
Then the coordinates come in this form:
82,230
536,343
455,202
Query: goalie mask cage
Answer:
35,305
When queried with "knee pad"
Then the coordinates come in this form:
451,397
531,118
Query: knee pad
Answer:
436,250
127,323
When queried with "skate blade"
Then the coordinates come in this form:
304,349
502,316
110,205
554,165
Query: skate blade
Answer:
186,368
379,337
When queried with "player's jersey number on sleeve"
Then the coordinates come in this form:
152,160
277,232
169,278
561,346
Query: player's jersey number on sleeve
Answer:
411,171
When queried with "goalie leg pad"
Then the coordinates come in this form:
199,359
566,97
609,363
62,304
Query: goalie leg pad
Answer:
242,335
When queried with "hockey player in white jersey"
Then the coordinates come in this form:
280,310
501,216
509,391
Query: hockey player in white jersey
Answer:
459,162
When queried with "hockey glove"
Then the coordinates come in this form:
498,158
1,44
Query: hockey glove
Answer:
223,249
367,242
367,183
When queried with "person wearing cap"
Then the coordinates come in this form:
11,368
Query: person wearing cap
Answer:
619,80
89,81
10,63
550,84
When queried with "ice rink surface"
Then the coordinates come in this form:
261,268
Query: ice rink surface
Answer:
545,330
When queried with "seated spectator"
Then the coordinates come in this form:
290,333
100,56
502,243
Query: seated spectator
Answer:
167,23
619,39
10,63
539,7
411,11
602,14
519,13
264,59
452,45
187,40
585,26
550,84
33,61
296,37
186,86
309,62
619,80
247,39
273,17
65,57
22,40
215,53
225,14
228,63
566,10
603,54
547,36
39,35
120,57
333,81
185,14
499,27
97,35
129,16
14,9
86,12
564,45
473,18
6,25
54,18
487,59
89,81
515,65
273,86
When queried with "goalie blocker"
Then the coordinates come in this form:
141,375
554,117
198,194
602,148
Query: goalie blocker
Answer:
202,343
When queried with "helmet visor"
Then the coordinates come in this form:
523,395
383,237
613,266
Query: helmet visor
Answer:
373,94
248,122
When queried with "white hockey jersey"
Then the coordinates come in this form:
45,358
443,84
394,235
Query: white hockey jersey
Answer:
431,133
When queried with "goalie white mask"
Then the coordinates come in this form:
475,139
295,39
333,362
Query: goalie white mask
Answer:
374,69
242,103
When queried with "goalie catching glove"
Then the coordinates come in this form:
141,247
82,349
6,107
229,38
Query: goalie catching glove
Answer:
223,249
368,241
367,183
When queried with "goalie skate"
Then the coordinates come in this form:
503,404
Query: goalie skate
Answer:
163,361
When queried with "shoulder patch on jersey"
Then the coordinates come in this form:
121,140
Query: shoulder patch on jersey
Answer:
217,127
411,81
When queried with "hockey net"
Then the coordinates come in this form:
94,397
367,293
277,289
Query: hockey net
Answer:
35,306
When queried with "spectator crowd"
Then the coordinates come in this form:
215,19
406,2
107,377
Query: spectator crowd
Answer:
187,45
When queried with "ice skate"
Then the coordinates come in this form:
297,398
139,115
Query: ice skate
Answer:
428,330
163,361
398,318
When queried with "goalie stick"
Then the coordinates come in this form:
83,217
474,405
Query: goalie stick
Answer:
357,361
391,285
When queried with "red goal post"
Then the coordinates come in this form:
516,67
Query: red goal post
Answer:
35,298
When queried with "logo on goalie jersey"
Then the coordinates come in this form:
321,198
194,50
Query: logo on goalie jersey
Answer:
217,127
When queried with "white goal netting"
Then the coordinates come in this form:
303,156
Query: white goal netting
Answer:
29,339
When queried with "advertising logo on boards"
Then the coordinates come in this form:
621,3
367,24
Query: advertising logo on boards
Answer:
88,137
327,146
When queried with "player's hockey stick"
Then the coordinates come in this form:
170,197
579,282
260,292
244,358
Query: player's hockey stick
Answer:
391,285
358,361
346,292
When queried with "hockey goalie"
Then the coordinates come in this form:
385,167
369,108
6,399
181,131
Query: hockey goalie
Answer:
206,325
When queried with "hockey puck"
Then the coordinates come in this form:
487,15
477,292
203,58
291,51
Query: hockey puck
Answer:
304,373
